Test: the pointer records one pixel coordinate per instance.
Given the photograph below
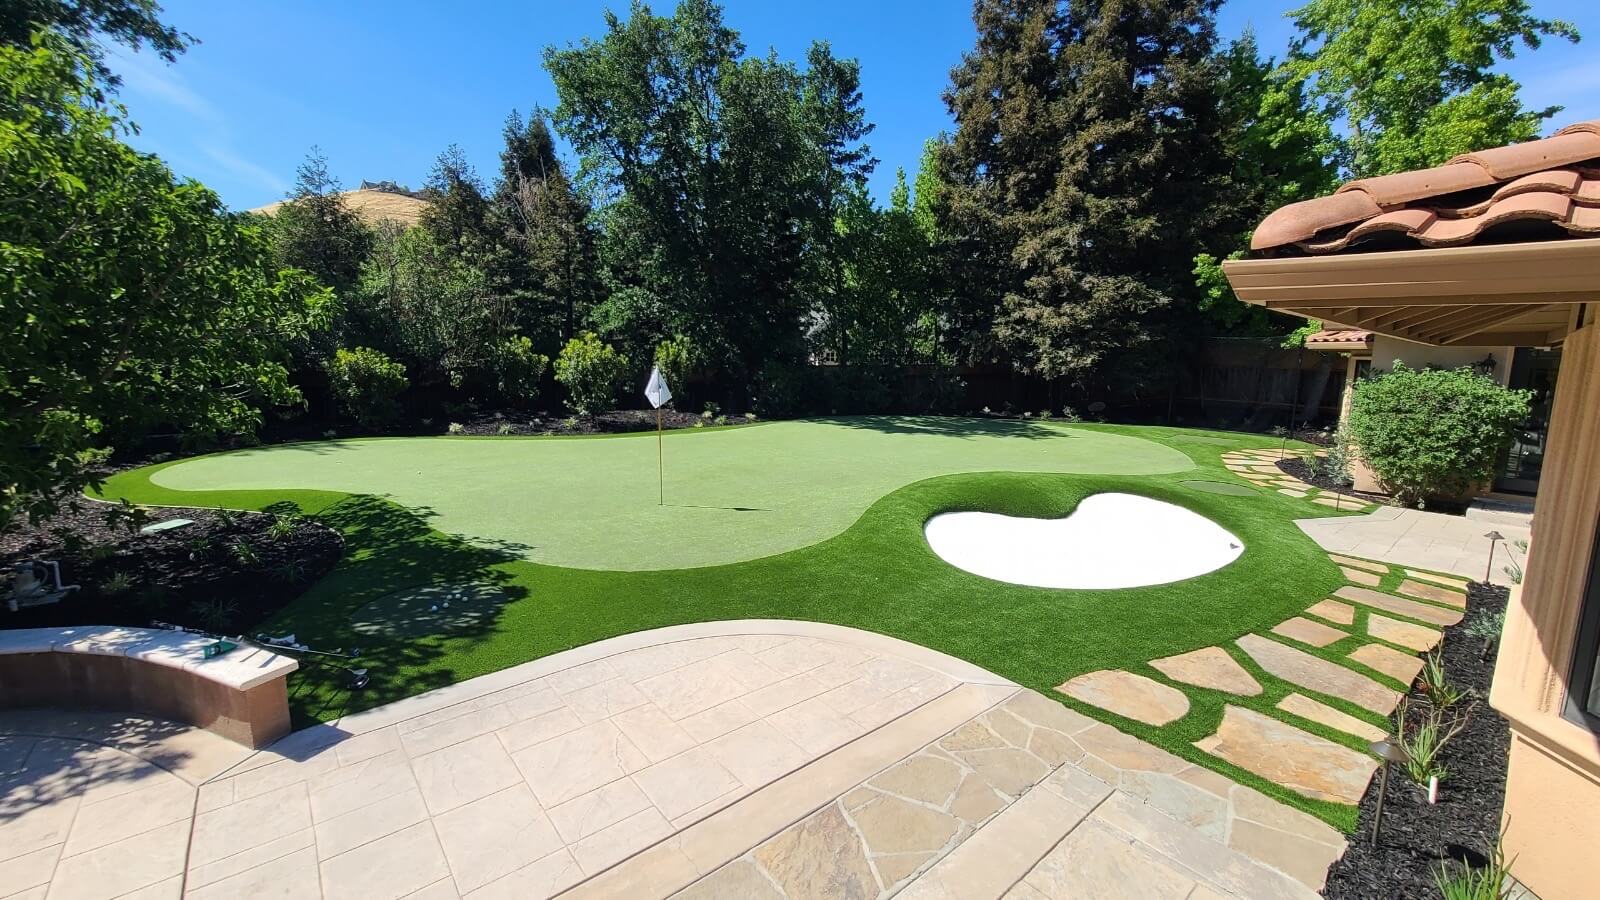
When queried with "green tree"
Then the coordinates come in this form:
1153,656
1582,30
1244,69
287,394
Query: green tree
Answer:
1283,150
82,23
316,230
722,175
545,258
129,299
1414,81
1087,169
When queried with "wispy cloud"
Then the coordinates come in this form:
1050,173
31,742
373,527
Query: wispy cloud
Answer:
150,79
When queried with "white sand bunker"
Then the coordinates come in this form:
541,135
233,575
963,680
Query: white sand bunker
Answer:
1110,541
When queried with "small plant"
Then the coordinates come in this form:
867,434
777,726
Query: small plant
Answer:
456,428
244,554
1278,431
118,584
1070,415
199,546
1513,569
1435,686
291,572
505,428
749,417
128,517
591,371
214,615
1487,627
1045,415
1423,744
368,384
1489,882
227,517
570,422
101,552
330,434
707,414
720,420
282,528
699,423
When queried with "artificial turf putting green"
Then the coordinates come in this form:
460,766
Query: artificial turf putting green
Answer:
730,495
877,574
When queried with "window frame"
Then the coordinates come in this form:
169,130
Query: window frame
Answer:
1581,676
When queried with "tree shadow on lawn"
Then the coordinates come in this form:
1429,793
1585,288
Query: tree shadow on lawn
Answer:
388,548
948,426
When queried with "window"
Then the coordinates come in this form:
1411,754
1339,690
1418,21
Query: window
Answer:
1583,695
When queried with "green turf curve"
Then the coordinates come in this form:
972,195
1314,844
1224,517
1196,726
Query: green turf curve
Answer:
878,574
730,496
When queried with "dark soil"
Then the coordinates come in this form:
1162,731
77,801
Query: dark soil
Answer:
225,573
1298,468
1465,825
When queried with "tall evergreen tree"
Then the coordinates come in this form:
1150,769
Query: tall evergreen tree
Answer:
1087,169
317,231
545,259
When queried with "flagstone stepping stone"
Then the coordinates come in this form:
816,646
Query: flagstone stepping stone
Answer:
1323,714
1209,667
1267,470
1308,632
1417,637
1344,503
1411,609
1333,611
1317,674
1128,695
1309,765
1460,584
1360,577
1402,667
1354,563
1436,594
1291,492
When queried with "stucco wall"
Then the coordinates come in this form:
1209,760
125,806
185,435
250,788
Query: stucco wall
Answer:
1385,350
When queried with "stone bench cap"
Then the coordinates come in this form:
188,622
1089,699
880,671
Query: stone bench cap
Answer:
240,669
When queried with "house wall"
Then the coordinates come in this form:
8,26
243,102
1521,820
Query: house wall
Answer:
1552,809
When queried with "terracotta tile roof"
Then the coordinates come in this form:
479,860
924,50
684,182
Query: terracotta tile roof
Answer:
1338,337
1539,190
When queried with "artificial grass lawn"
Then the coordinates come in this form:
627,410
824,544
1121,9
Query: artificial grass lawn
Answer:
878,574
731,494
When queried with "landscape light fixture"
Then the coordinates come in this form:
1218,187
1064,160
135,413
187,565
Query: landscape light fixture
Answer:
1494,537
1389,753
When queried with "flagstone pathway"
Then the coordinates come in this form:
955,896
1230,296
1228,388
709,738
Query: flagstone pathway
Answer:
1259,467
1332,676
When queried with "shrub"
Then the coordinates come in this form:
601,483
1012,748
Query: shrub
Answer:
591,372
1429,433
518,370
367,383
676,357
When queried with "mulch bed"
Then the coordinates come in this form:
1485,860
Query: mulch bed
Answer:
1465,825
225,573
1298,468
617,421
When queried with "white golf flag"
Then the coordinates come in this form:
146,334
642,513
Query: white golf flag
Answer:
657,391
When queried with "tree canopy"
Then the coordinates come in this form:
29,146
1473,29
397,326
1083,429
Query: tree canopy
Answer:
131,299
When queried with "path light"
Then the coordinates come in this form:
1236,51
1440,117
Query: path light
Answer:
1389,753
1494,537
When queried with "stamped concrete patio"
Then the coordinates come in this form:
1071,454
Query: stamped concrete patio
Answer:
737,759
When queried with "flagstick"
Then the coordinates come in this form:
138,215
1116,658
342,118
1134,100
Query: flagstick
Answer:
661,491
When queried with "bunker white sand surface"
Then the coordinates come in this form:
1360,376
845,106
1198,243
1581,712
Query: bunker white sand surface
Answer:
1110,541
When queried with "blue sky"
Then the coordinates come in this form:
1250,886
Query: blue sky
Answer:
382,87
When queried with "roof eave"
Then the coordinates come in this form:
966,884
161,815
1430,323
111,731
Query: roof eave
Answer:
1467,296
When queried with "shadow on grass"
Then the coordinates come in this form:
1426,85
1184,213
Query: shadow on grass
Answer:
948,426
388,548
